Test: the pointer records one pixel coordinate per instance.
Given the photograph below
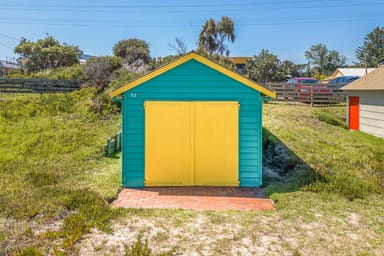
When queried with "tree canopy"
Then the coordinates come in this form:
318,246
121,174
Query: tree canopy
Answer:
371,52
46,53
265,67
132,50
324,61
215,34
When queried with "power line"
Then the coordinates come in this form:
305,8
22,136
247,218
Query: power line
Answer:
9,37
8,46
49,7
159,6
154,24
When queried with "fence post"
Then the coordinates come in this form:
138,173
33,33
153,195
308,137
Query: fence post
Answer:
311,95
117,139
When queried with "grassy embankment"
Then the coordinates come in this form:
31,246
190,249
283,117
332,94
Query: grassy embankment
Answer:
52,167
55,186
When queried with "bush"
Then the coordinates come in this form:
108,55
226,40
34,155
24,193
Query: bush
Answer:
75,72
121,77
99,71
16,73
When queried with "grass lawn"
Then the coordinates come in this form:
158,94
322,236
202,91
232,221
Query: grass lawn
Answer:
55,187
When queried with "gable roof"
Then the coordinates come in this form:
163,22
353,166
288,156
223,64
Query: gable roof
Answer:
355,71
349,72
200,59
372,81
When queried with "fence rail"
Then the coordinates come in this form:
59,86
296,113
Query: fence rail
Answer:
308,93
19,85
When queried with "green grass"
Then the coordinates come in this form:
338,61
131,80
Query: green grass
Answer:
51,162
55,186
349,162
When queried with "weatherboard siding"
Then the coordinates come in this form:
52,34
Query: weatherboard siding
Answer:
371,116
192,81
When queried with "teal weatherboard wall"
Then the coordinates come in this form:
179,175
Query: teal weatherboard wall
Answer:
192,81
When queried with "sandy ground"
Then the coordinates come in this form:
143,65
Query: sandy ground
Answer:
265,234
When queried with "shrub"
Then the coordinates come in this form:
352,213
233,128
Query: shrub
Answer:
16,73
121,77
99,70
75,72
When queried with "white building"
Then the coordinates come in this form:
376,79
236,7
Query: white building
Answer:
365,103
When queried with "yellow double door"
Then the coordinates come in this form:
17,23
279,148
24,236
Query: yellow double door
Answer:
191,143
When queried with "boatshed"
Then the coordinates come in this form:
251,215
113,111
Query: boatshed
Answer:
192,122
365,103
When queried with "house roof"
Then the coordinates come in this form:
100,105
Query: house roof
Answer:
349,72
9,65
372,81
240,60
201,59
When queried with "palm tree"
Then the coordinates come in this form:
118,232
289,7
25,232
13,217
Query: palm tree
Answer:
214,34
225,29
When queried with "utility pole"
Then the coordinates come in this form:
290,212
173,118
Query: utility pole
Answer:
365,61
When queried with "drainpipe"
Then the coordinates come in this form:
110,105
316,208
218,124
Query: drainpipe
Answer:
265,98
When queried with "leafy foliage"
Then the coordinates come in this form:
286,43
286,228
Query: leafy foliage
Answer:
99,71
214,34
158,62
47,53
265,67
292,69
372,50
74,72
220,59
324,61
121,77
132,50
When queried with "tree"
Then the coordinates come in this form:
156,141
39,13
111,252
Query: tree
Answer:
47,53
323,61
291,69
265,67
371,52
214,34
132,51
180,47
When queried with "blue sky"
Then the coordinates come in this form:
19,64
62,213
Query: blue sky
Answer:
286,28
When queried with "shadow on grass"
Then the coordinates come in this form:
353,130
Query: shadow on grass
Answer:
116,155
283,170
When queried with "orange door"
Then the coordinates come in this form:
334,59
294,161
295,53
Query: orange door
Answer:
354,113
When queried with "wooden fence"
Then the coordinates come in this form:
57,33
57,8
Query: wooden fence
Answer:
313,94
19,85
113,145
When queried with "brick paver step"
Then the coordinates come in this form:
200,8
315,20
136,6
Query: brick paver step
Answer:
194,198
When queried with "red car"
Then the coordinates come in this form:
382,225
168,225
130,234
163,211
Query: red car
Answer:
304,85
